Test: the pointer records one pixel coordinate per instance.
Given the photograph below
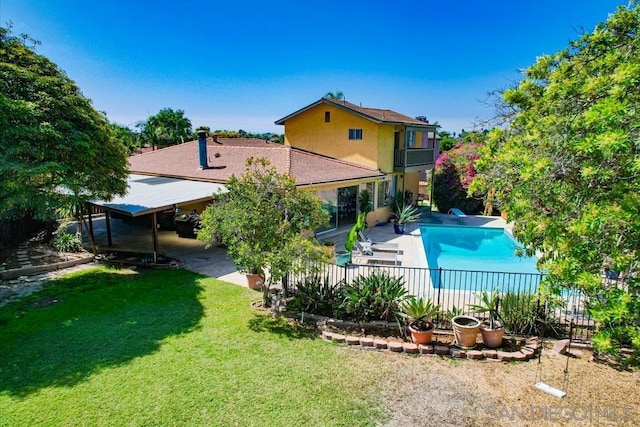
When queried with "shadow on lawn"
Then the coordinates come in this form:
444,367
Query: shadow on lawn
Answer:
91,321
280,326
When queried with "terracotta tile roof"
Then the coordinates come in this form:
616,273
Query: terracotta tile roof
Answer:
246,142
375,114
229,158
142,150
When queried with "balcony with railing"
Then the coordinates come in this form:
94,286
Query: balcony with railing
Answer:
413,159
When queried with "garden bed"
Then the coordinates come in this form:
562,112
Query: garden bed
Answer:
389,336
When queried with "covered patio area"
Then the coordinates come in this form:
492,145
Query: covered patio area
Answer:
133,223
149,195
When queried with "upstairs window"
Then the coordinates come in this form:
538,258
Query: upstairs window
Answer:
355,133
327,116
411,139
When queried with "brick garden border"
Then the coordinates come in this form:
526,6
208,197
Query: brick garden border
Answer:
528,351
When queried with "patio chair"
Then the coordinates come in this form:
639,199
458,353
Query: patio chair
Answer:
458,213
366,252
379,246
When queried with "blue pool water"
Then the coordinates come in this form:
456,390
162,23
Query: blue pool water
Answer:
477,249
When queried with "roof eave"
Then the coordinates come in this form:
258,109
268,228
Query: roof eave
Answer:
295,113
329,102
340,181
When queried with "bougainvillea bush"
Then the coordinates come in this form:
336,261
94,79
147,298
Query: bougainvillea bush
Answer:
454,171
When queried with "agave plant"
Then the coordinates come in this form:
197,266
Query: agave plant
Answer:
452,312
420,312
407,214
374,297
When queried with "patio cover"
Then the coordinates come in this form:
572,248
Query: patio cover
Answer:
149,194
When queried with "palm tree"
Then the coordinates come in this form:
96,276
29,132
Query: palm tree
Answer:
338,95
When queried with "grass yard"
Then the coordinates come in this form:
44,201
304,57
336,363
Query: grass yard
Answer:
117,347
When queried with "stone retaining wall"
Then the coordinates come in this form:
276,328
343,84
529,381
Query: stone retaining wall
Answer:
28,270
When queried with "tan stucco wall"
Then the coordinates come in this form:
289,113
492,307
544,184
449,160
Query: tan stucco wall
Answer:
378,216
198,207
412,183
309,131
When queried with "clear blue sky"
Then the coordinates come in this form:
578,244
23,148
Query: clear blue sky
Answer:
244,64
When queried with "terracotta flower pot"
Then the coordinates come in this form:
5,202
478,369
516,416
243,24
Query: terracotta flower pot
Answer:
329,250
465,331
422,337
255,281
491,338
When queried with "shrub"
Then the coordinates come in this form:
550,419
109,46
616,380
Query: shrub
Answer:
374,297
519,313
67,242
454,171
524,314
617,315
315,295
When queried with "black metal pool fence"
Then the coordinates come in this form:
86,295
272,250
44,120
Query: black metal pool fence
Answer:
459,289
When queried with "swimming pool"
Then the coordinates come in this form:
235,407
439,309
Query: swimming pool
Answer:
474,249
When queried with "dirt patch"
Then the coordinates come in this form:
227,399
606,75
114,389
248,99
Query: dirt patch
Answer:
421,390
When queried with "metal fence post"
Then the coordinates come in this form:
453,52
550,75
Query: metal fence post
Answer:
439,284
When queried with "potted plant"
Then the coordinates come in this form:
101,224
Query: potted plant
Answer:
252,264
328,247
420,313
404,216
492,331
465,331
365,201
344,256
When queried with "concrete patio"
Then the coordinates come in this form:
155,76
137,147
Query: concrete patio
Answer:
136,236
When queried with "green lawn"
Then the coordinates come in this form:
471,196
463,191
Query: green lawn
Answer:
114,347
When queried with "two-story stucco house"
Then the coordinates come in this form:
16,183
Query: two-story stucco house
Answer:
336,148
398,146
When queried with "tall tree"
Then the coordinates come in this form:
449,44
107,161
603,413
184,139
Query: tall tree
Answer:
263,220
126,137
447,140
567,170
51,136
167,127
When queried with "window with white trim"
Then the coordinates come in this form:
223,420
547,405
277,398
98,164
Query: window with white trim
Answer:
355,133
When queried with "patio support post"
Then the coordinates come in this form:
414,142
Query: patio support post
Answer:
439,283
90,220
433,174
345,272
154,226
107,219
